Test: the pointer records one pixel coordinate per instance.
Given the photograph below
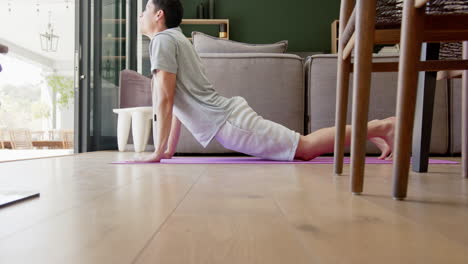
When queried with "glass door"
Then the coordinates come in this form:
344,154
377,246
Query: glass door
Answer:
143,59
110,57
103,50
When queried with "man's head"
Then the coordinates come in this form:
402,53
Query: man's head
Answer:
160,15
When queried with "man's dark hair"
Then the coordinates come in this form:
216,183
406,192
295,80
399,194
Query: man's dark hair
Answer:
173,10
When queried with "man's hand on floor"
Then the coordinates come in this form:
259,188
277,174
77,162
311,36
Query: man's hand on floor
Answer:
167,155
153,157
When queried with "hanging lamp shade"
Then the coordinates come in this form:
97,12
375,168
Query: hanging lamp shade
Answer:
49,41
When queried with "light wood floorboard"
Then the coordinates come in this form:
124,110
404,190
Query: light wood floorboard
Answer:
93,212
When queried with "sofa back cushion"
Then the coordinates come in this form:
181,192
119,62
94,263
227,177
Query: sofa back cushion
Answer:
204,43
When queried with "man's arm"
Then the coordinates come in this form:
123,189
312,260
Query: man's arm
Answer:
174,137
164,86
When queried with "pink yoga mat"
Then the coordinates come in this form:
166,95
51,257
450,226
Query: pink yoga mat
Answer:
254,160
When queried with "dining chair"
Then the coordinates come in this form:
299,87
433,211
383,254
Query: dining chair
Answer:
409,23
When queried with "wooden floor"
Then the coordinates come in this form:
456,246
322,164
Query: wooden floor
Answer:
93,212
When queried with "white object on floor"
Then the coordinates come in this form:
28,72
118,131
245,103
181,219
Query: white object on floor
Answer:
140,119
21,154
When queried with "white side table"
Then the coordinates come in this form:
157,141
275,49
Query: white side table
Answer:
140,119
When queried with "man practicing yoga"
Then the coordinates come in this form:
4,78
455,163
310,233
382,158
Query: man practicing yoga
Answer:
182,93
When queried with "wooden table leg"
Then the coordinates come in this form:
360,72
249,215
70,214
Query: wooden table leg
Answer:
424,110
342,88
412,26
365,26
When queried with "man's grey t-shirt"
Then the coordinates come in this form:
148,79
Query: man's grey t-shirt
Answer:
196,104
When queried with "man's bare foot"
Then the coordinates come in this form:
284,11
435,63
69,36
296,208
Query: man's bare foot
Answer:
389,135
385,141
383,146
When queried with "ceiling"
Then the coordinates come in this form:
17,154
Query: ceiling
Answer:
29,18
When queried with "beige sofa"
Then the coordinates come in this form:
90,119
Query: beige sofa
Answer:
300,94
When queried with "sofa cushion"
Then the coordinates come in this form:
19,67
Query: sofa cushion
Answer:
135,89
321,79
204,43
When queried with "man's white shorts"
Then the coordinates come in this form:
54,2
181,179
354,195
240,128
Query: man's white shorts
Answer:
247,132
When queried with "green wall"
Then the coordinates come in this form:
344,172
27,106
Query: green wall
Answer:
304,23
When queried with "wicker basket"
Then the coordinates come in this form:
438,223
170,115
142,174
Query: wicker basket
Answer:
389,12
450,51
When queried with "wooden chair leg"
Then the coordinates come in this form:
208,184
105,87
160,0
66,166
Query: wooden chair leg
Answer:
424,110
342,91
465,115
365,26
406,96
342,88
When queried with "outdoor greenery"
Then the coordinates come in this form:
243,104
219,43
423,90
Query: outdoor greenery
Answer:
62,88
40,110
62,93
15,105
21,105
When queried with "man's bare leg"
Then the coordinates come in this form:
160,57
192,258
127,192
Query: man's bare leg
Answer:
379,132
